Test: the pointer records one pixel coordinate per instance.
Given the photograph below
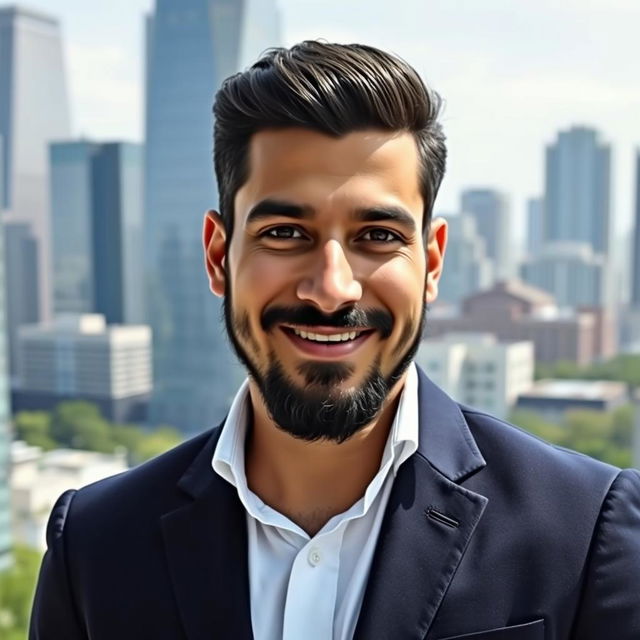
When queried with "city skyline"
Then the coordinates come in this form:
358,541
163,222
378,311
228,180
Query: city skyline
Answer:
192,47
506,95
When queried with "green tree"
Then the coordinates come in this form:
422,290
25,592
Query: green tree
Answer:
156,442
16,593
80,425
533,423
34,427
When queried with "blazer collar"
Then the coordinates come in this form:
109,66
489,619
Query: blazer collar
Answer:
205,544
445,439
428,524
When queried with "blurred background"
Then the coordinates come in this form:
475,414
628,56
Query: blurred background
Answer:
112,348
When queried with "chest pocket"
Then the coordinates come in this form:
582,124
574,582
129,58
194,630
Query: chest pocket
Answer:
530,631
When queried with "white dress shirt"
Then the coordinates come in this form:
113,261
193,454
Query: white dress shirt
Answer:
313,587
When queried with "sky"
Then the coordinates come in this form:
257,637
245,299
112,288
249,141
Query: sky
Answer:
512,74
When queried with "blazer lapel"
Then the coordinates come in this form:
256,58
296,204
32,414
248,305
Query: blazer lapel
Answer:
428,524
206,548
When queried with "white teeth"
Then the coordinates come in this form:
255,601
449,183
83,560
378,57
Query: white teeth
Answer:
319,337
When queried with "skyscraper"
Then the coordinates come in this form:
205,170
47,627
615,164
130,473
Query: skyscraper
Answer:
577,187
33,111
635,247
490,210
571,272
535,226
468,268
5,439
21,281
191,47
71,226
97,229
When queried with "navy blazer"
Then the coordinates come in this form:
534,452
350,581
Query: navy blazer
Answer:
489,534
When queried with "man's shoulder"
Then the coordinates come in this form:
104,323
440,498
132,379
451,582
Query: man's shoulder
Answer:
510,448
152,487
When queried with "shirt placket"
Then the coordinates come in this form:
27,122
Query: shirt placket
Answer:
312,590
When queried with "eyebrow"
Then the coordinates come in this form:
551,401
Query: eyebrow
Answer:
385,214
270,208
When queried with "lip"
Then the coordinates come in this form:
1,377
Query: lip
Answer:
326,350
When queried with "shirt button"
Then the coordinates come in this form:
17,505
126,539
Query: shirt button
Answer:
314,557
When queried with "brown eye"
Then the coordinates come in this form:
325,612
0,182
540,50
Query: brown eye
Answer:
283,232
380,235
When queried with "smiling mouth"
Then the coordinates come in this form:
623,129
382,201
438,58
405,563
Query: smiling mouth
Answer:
345,336
326,338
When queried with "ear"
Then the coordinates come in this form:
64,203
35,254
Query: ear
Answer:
214,238
436,246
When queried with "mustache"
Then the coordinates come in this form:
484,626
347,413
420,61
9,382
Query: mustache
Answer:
349,318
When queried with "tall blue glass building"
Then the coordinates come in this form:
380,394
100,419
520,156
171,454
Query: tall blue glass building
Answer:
635,247
191,47
97,229
5,439
577,184
33,110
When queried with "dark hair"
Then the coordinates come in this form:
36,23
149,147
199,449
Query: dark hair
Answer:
332,88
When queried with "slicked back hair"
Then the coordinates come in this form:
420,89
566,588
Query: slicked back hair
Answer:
335,89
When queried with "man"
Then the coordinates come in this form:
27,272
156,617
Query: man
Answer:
345,495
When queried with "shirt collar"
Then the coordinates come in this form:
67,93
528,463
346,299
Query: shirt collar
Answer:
229,459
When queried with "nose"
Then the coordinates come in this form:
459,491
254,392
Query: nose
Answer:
331,284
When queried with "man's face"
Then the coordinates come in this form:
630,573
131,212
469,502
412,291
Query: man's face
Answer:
325,277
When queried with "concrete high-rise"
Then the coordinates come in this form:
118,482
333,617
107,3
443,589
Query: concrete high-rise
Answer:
577,186
490,209
33,111
80,357
635,247
191,47
97,229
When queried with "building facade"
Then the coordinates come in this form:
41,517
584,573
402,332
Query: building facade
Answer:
535,226
80,357
191,46
39,478
570,272
33,111
552,398
635,246
491,212
468,268
5,436
97,229
514,311
577,186
478,370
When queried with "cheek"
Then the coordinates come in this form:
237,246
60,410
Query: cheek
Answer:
401,287
259,279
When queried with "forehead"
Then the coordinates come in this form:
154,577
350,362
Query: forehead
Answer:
316,168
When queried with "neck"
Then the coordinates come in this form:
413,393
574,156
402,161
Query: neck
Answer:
310,482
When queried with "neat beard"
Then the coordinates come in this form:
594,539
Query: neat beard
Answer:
317,411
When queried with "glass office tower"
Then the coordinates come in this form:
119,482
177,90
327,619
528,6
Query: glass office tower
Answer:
635,247
5,439
577,185
97,229
33,111
191,47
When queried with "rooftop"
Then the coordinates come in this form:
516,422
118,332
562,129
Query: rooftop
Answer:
577,389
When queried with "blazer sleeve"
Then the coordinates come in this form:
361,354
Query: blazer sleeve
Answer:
54,614
610,605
